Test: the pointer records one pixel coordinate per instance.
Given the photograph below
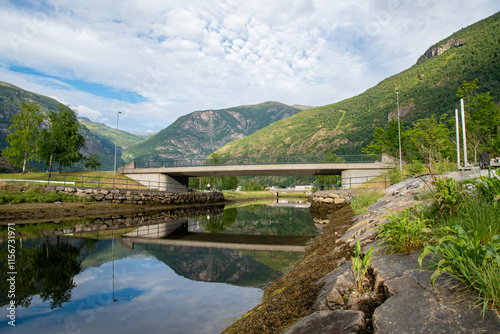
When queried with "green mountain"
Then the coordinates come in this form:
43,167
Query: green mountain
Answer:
196,135
96,142
122,138
427,88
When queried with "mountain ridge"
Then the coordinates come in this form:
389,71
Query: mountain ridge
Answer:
427,88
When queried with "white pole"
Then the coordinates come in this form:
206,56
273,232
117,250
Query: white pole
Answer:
117,116
466,163
399,134
458,138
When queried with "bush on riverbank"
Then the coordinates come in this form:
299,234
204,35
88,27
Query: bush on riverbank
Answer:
466,236
11,194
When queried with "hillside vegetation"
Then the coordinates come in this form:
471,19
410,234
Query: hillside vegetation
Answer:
196,135
427,88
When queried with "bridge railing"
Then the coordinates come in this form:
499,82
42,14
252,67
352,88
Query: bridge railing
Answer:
280,160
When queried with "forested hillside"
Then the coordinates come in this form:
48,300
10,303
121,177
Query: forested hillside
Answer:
196,135
427,88
96,142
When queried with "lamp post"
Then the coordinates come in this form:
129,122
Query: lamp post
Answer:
399,134
117,117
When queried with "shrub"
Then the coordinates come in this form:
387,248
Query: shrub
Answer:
404,233
449,193
466,258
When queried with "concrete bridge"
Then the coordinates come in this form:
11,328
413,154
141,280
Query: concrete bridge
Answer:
173,176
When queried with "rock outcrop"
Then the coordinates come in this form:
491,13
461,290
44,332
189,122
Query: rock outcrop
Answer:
398,296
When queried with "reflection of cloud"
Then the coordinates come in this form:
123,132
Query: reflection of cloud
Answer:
151,298
85,276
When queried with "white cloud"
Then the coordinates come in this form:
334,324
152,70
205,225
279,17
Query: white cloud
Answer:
197,55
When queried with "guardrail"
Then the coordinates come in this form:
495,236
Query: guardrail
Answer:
282,160
365,182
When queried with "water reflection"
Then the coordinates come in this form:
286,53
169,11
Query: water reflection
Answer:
106,281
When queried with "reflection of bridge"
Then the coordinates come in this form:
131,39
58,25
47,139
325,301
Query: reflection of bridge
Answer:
163,234
173,175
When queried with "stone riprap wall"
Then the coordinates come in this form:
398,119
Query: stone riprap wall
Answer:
117,221
138,196
333,196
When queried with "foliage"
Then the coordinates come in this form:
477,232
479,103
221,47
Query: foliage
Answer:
430,139
62,141
466,258
449,193
386,140
416,167
395,175
24,136
92,162
404,233
360,265
482,119
489,188
363,200
251,186
13,195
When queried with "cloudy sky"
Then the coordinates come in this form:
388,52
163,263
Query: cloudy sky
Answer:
156,60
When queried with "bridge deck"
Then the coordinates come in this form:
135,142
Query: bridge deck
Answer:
252,170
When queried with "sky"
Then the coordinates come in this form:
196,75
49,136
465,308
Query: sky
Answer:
155,60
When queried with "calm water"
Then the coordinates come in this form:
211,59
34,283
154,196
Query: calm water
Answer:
151,273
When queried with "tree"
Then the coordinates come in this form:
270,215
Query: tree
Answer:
431,139
24,136
92,162
62,141
482,118
385,140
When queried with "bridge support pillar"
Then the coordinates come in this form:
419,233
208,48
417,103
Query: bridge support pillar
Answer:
355,177
175,184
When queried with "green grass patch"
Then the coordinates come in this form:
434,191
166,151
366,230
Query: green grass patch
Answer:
12,194
361,202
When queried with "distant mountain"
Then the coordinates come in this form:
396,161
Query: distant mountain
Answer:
11,98
196,135
429,87
122,138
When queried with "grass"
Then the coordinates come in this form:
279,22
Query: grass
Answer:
364,199
466,235
403,233
12,194
95,179
258,194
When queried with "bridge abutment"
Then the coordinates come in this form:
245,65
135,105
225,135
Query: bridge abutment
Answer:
352,177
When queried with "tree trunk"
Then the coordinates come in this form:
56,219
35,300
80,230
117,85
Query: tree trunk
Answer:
60,167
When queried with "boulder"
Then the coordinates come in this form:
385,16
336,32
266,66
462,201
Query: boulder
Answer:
416,307
321,322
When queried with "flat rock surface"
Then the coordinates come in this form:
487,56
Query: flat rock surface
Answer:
416,307
322,322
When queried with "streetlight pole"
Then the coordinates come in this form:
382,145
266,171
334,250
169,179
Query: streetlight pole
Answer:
117,117
399,134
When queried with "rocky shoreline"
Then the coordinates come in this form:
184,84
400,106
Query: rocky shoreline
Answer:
318,294
400,298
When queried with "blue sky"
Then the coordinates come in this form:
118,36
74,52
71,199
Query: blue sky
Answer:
158,60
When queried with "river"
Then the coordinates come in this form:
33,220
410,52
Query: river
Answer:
178,271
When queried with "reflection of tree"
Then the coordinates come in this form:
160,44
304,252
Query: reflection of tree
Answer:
25,283
56,265
47,270
217,224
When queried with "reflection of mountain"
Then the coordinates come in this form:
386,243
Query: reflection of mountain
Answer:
213,265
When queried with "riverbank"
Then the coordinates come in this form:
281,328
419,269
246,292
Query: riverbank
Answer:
398,296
